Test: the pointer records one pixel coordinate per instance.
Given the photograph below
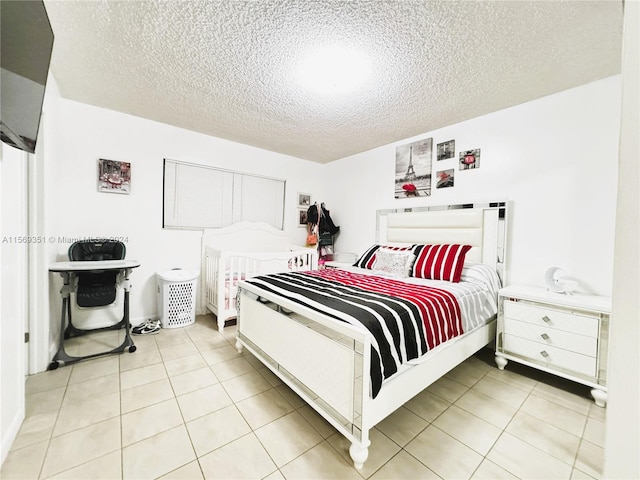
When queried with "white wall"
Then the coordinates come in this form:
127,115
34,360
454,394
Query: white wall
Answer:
81,134
554,159
13,292
622,439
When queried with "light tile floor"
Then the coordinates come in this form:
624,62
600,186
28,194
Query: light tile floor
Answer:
186,405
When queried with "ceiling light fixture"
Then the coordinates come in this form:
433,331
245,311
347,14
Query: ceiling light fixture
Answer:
334,70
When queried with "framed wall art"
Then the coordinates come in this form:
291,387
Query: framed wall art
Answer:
114,176
446,150
302,218
444,178
413,169
304,200
470,159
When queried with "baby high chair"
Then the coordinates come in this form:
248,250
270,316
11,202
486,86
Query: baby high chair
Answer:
95,272
95,288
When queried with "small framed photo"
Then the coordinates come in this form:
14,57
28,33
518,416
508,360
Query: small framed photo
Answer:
304,200
446,150
470,159
114,176
444,178
302,218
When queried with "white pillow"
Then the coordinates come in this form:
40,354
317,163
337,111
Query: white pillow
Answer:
393,263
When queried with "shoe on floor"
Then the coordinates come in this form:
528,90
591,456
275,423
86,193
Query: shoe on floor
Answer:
150,327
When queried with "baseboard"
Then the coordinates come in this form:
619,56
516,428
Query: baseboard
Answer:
138,320
9,436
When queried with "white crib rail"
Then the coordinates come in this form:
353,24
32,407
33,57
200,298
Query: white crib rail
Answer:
223,270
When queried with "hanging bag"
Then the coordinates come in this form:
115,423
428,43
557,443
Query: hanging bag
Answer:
312,236
312,225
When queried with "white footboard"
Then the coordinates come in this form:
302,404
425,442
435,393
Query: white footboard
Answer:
224,269
327,362
327,365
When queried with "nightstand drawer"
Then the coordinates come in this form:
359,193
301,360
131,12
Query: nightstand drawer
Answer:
550,356
552,337
568,321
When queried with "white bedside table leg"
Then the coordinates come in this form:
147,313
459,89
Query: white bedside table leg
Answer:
359,454
600,397
501,362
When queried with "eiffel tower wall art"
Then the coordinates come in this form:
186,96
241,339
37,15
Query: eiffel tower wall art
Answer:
413,169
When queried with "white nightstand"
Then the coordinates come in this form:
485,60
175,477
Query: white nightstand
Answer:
334,264
566,335
341,260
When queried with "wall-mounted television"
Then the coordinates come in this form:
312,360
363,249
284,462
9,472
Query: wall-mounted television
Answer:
26,42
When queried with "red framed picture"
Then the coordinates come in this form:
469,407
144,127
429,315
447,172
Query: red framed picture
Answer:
470,159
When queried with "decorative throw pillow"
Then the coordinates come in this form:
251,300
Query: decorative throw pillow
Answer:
368,258
439,262
393,263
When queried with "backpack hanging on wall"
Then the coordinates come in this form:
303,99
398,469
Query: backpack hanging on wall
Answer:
312,225
320,227
312,214
326,224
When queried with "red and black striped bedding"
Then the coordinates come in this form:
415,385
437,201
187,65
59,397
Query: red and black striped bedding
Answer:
405,320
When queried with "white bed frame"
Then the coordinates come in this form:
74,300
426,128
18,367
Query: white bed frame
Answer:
244,250
326,362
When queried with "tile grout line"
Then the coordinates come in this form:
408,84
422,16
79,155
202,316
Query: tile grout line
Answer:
190,340
50,439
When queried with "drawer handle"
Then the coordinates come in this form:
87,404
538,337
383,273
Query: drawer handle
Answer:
544,354
546,319
545,336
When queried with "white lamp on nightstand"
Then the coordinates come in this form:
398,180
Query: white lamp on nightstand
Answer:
556,281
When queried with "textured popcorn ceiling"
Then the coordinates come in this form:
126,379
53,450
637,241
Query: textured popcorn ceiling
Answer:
229,68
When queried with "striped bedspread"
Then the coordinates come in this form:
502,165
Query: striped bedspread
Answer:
405,320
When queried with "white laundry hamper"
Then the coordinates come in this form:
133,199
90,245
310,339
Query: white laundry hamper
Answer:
177,297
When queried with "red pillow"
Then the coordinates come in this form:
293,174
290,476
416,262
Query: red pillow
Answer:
439,262
368,258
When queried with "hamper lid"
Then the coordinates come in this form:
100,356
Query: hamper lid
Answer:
178,275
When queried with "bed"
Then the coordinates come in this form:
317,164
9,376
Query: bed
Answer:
241,251
281,325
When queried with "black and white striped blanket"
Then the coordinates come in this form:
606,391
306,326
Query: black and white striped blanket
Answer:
405,320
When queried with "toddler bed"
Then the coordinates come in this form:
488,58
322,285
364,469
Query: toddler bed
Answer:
241,251
378,340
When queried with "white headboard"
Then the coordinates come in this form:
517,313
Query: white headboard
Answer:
246,237
481,225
